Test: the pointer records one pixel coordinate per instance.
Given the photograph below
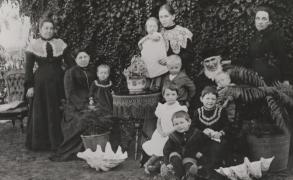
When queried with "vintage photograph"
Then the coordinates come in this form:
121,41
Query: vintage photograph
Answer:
146,90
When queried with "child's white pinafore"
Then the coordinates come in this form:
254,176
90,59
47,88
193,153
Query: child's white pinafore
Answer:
164,112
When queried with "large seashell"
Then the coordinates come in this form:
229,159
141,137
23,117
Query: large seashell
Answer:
266,163
227,172
254,168
103,161
241,171
247,169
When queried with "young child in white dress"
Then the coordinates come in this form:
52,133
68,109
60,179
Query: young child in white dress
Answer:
154,147
153,49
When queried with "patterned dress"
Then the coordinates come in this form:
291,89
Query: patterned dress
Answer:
215,119
44,130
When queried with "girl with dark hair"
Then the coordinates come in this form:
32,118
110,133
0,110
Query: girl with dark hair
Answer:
45,87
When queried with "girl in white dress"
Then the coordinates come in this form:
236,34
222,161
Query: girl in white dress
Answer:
164,112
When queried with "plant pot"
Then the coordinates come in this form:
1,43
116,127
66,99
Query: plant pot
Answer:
136,85
268,146
91,141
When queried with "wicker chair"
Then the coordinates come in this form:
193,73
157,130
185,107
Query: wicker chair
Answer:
14,81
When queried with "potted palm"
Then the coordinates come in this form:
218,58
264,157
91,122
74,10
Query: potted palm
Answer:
97,131
265,108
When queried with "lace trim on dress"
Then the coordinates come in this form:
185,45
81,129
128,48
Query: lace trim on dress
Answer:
102,85
209,120
177,38
38,47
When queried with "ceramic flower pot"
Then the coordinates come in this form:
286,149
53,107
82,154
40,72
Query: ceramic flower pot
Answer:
136,85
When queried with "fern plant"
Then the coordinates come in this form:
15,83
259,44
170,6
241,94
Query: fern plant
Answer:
250,89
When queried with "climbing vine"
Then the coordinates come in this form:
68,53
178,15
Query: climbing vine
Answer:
110,29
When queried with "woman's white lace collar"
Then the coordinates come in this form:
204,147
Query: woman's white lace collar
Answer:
38,47
176,38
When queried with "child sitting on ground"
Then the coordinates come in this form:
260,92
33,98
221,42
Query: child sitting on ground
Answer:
212,120
180,79
184,152
154,147
100,90
181,151
153,49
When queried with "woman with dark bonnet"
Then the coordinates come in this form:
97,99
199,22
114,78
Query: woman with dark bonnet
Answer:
267,54
178,39
45,87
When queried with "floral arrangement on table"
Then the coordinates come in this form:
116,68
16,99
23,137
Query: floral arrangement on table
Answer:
103,161
136,74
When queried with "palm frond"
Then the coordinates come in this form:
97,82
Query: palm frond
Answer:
287,89
280,94
243,93
241,75
278,113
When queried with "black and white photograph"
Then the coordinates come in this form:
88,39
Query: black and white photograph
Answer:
146,89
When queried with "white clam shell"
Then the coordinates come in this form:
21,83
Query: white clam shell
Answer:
103,161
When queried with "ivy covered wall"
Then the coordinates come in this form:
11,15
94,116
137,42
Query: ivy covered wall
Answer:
111,29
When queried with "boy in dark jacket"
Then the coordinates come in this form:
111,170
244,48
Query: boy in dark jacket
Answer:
182,152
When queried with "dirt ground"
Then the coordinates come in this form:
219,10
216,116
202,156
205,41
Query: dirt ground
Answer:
17,163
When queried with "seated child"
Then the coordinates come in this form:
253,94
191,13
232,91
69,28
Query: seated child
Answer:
180,79
100,90
153,49
183,152
182,148
212,120
154,147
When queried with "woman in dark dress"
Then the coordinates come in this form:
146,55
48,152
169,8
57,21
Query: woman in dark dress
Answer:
267,54
77,81
78,114
45,85
178,39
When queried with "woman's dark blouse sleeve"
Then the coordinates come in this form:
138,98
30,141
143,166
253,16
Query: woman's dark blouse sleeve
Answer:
92,89
278,46
70,85
29,65
68,60
186,54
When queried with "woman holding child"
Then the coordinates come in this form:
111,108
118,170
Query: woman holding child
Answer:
178,40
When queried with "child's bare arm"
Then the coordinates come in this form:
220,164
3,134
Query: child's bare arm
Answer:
142,41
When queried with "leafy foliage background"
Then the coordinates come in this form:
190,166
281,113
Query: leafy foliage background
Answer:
111,29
